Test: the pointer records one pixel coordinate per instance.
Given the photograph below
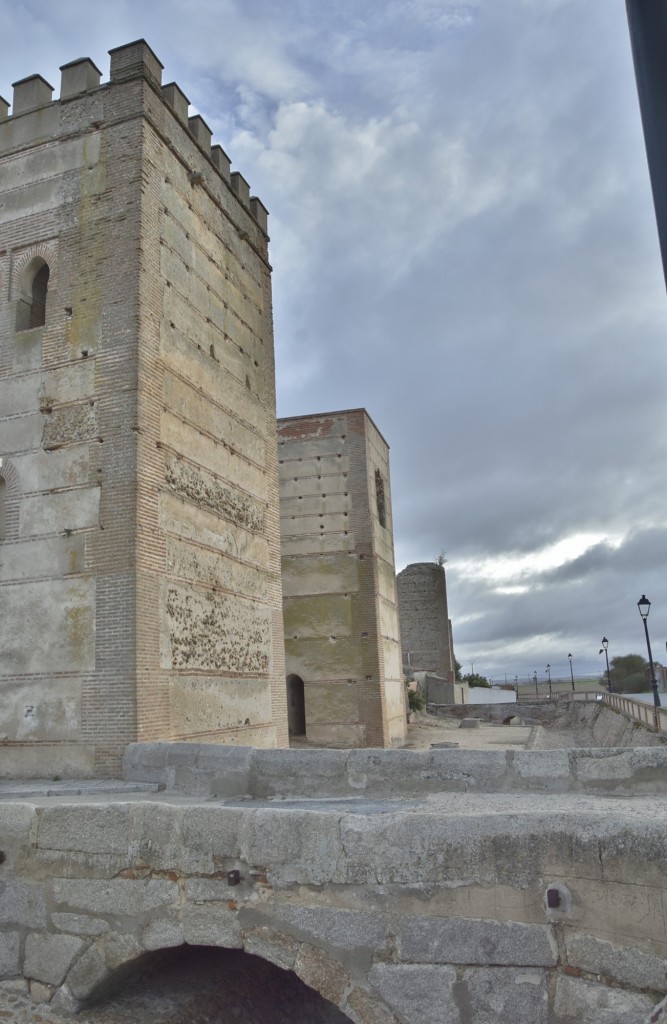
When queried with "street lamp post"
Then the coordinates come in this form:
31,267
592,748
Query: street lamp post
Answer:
644,606
605,645
569,658
549,678
535,681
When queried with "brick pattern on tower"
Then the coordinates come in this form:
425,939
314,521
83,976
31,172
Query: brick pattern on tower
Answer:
426,631
341,624
140,588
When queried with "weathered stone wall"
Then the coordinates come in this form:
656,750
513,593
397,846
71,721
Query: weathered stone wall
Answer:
597,723
208,770
424,618
340,609
436,690
405,912
139,563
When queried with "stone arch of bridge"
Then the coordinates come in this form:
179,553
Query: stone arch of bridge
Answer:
104,966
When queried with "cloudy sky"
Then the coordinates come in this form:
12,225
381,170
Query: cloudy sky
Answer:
464,243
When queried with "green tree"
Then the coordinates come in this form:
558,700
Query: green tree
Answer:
628,674
458,666
474,679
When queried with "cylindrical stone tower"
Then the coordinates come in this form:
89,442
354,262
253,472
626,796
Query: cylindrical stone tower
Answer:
424,620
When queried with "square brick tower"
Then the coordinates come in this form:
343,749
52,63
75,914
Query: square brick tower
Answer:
140,589
342,648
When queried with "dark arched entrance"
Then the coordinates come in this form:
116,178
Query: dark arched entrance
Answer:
296,706
192,984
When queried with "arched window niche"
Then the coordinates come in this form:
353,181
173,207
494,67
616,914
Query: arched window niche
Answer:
31,305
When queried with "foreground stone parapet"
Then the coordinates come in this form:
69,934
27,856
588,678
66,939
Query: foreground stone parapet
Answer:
397,911
211,769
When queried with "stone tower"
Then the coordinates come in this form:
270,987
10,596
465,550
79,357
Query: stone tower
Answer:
342,645
139,538
426,636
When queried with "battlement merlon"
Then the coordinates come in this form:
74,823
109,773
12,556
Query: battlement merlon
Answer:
33,96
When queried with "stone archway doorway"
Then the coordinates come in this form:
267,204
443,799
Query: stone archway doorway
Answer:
296,706
197,984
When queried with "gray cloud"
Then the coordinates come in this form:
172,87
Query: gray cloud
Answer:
464,243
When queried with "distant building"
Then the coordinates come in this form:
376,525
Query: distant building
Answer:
342,648
426,631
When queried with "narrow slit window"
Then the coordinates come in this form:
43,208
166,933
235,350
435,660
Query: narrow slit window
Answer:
3,509
380,498
40,286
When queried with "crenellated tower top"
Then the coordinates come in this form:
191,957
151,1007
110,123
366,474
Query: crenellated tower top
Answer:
33,103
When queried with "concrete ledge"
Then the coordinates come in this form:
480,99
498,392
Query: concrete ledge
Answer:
228,772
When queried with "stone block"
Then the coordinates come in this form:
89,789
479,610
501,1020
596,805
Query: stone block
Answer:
30,93
543,769
625,964
134,60
205,704
458,940
466,770
423,995
64,1002
279,949
88,829
49,626
115,896
78,76
363,1007
211,925
40,993
10,951
209,837
22,903
229,769
120,948
140,756
297,846
504,995
213,631
322,973
585,1002
298,773
177,100
80,924
162,933
353,936
48,958
221,161
86,974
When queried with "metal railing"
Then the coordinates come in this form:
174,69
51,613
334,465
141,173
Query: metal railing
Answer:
640,711
648,714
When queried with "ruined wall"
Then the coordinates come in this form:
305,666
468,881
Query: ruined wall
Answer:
139,556
425,625
340,611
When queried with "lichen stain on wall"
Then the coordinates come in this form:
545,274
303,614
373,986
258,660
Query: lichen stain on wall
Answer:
214,631
78,622
208,493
